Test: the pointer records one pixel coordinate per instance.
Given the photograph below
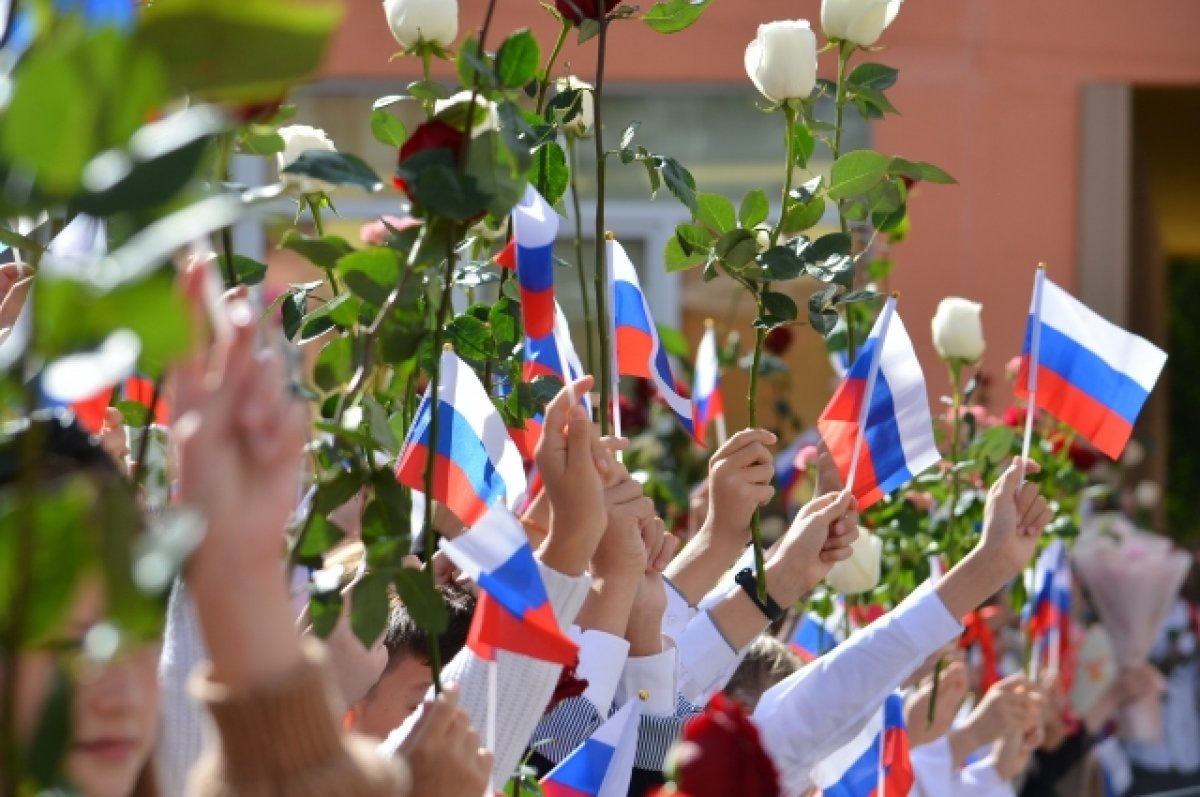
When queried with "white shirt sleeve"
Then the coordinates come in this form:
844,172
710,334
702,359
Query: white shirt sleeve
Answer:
602,658
678,613
654,675
524,684
982,780
936,775
706,659
821,708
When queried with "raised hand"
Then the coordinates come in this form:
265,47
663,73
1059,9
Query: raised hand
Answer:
574,467
739,476
443,751
819,537
952,691
1014,517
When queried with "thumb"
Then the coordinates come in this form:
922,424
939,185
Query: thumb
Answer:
829,476
1006,486
579,442
829,507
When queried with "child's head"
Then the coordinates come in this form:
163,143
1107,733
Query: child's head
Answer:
767,663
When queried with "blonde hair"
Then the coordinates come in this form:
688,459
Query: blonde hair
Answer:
767,663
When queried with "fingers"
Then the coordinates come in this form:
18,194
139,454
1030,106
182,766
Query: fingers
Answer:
829,478
1006,486
666,552
753,451
736,444
554,427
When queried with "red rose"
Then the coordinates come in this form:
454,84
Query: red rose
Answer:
721,755
1081,454
778,341
430,135
569,685
576,11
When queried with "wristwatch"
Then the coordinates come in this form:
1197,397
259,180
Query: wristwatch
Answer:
747,581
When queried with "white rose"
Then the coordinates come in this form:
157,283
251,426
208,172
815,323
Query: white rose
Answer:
298,139
958,330
415,21
453,111
580,125
860,573
858,21
1147,494
762,238
782,60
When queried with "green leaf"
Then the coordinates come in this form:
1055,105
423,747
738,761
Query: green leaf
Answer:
248,270
754,210
857,172
715,212
387,129
324,611
370,274
335,364
995,444
517,59
133,413
436,184
920,170
873,76
321,536
469,66
323,252
52,736
550,172
369,608
694,239
804,144
876,100
471,338
256,143
804,215
505,321
292,311
737,248
252,50
422,600
779,307
673,16
675,259
780,263
337,168
680,183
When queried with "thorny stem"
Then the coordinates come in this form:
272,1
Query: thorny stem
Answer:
579,266
845,50
544,85
225,155
314,206
602,310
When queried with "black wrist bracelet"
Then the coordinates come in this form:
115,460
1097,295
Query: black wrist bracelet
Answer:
746,580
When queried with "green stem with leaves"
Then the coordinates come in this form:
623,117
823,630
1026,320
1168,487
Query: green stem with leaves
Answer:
314,206
607,378
760,333
845,51
580,269
224,158
544,84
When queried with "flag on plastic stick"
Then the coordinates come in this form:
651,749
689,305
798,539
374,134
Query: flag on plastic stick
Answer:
875,763
877,426
553,355
1085,371
476,463
1047,614
603,765
707,406
638,349
513,612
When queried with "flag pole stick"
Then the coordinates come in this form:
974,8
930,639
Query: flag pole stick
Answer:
493,670
872,375
881,787
1035,345
721,435
615,377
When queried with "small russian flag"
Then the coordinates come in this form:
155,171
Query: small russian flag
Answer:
1087,372
1046,617
513,612
535,226
603,765
875,763
880,415
639,352
552,355
707,405
815,635
476,463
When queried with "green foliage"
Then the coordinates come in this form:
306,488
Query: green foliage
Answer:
673,16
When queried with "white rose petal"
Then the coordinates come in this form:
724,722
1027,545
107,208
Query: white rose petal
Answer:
860,573
958,330
453,110
582,123
416,21
298,139
782,60
861,22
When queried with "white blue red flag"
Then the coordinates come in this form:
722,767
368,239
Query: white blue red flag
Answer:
1046,617
476,463
553,355
639,351
513,612
880,413
707,406
603,765
875,763
816,635
535,226
1087,372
